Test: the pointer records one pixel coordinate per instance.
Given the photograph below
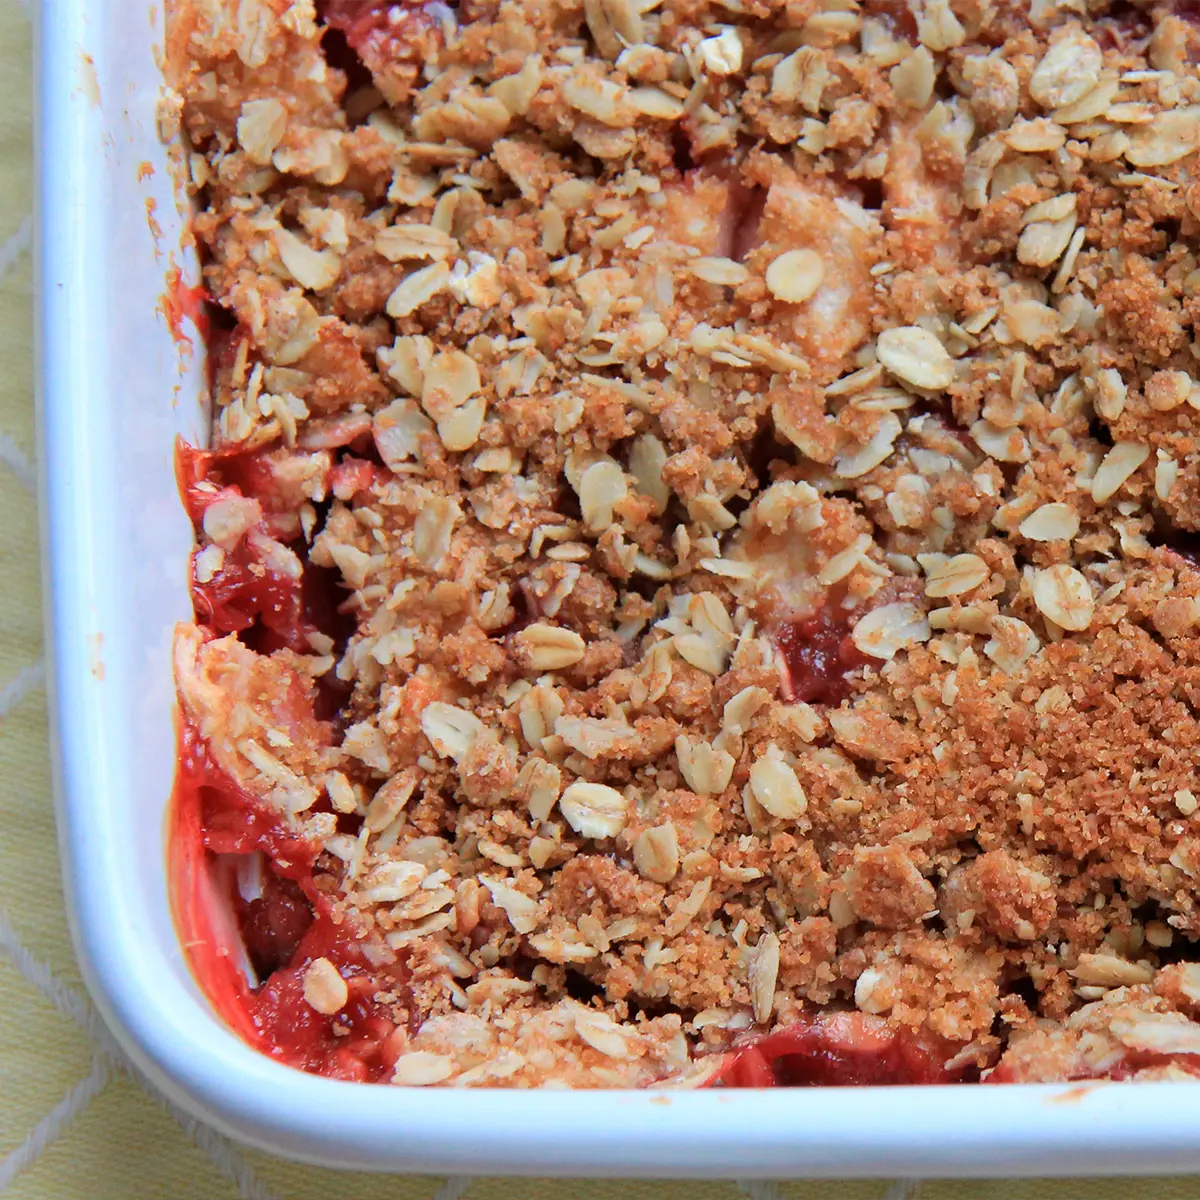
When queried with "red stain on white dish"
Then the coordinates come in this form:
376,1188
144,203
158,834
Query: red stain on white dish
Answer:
155,228
181,302
89,80
1076,1095
98,670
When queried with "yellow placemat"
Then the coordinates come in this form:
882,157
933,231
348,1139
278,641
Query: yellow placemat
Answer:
74,1122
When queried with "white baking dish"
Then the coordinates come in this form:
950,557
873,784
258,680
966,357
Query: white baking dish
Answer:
115,392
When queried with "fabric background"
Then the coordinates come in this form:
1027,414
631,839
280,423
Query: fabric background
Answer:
74,1122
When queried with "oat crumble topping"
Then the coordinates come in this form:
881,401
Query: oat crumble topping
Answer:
750,447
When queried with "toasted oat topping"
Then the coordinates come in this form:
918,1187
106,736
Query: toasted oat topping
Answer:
324,989
753,444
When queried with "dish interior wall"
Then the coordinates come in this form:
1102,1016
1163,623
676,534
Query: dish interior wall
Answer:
153,358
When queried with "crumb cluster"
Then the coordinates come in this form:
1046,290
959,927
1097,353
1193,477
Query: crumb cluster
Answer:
753,447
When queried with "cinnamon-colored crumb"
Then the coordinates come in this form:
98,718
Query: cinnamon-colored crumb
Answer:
679,373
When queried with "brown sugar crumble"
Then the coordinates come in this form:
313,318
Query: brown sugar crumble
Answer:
702,528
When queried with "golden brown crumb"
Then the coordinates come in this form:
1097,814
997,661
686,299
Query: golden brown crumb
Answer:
756,453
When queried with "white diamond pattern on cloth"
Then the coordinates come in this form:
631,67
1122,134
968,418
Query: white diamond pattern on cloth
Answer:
108,1060
14,459
12,250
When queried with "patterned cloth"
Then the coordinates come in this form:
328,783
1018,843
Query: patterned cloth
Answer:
74,1120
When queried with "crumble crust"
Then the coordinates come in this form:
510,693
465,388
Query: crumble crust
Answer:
753,442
